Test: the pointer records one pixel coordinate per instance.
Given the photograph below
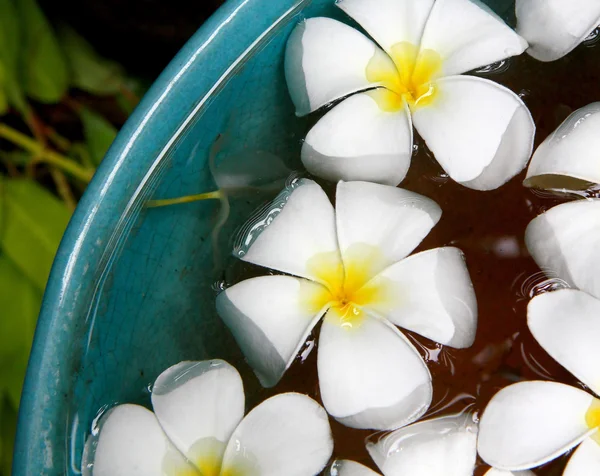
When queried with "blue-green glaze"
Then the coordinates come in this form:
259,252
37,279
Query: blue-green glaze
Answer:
130,291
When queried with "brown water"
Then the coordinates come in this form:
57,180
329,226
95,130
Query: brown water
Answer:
489,227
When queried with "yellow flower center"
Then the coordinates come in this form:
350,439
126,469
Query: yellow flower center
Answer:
407,75
592,418
205,459
348,287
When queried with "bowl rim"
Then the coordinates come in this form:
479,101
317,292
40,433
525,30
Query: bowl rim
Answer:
110,205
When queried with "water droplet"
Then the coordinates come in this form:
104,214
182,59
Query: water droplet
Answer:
540,282
494,68
309,345
524,93
219,286
441,178
592,38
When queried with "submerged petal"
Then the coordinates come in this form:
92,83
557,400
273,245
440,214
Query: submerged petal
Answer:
553,28
296,227
198,405
270,318
326,60
370,375
566,323
468,35
480,132
358,140
565,243
286,434
344,467
568,158
446,445
434,296
530,423
379,225
585,461
390,22
131,443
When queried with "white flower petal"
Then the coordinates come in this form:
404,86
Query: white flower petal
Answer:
344,467
565,243
480,132
385,223
445,445
585,461
326,60
286,434
553,28
566,323
500,472
468,35
568,157
432,296
130,443
297,226
270,318
530,423
370,375
196,401
357,140
390,22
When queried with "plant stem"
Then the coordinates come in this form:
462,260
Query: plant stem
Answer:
216,195
64,190
45,155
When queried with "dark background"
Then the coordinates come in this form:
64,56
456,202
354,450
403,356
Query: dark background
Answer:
142,35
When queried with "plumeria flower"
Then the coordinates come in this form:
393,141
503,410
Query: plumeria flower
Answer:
568,158
198,428
480,132
350,264
554,28
565,242
446,445
531,423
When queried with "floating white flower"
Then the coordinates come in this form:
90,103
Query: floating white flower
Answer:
530,423
198,428
351,265
480,132
446,445
565,243
568,158
554,28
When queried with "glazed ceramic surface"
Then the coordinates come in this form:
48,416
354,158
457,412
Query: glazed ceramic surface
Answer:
132,289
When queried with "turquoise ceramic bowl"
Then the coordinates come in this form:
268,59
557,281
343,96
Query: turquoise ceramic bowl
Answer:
132,289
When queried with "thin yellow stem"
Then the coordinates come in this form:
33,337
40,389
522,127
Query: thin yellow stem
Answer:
45,155
216,195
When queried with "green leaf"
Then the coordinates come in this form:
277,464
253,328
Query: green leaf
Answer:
99,134
12,376
44,69
90,72
8,430
32,222
20,302
3,98
10,48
